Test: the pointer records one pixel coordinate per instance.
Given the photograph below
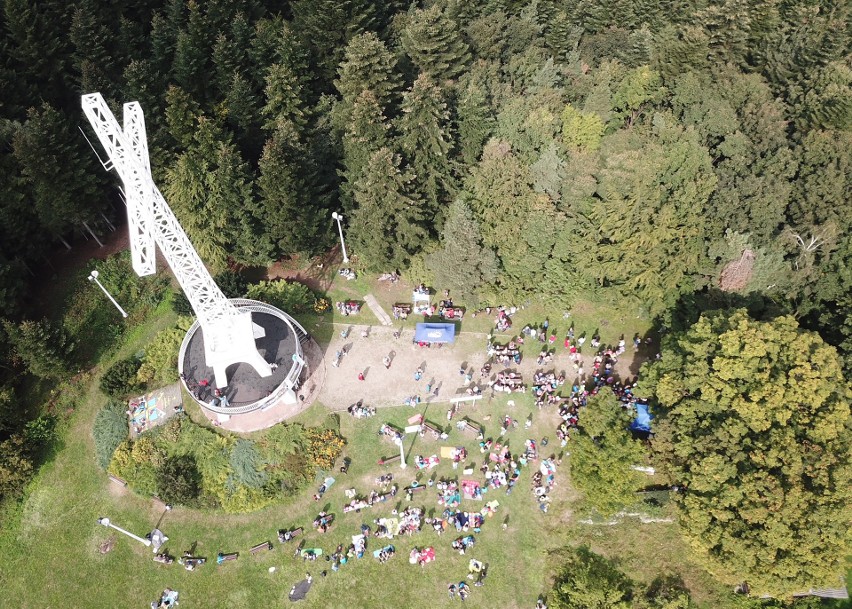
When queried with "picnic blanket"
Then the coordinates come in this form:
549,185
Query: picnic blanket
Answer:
389,548
300,590
423,463
471,489
391,524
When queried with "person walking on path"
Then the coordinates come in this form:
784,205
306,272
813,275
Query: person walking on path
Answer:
360,376
387,362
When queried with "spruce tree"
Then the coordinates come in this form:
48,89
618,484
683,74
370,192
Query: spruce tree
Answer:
321,27
387,226
284,98
58,170
435,44
368,65
182,114
366,133
289,211
426,142
43,348
476,120
210,190
462,263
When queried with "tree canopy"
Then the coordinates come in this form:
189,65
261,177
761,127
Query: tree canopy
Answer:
755,435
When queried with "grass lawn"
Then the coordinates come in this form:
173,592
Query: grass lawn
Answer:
49,548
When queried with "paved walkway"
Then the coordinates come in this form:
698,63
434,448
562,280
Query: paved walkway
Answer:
377,310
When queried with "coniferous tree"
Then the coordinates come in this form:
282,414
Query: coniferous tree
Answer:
435,44
289,211
387,226
321,27
476,120
41,347
426,142
40,45
368,65
284,99
366,133
182,114
57,170
209,188
462,263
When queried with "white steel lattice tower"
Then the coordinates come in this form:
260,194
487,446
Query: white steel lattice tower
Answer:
229,334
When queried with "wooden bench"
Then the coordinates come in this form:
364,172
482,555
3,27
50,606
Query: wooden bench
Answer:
266,545
221,558
434,429
117,480
388,460
471,427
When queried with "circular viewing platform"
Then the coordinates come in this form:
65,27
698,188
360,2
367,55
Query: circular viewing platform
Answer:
247,391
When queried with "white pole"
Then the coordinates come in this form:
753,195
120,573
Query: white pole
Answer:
339,217
93,276
401,454
107,523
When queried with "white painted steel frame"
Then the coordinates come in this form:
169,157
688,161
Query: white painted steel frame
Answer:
228,334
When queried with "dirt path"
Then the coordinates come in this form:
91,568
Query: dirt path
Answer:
391,387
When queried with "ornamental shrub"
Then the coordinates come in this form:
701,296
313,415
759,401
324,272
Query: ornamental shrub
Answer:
178,480
291,297
324,446
120,379
109,430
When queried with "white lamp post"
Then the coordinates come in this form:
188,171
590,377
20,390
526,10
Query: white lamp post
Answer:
401,453
107,523
339,217
93,276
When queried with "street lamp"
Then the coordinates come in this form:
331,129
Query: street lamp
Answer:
401,453
107,523
339,217
93,276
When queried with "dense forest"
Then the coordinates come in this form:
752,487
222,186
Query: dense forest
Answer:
667,155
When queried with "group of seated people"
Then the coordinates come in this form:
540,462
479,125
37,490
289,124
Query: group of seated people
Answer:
348,307
508,382
359,411
390,432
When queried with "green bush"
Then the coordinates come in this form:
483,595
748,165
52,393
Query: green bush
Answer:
590,581
120,380
109,430
232,284
159,366
41,431
178,480
16,466
246,465
180,303
290,297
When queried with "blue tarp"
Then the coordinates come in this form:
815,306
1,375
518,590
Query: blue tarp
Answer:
435,333
642,422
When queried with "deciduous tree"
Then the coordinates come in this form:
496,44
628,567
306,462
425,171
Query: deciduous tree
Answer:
603,454
755,433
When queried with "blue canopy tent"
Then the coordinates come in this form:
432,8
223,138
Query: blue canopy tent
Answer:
642,422
435,333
